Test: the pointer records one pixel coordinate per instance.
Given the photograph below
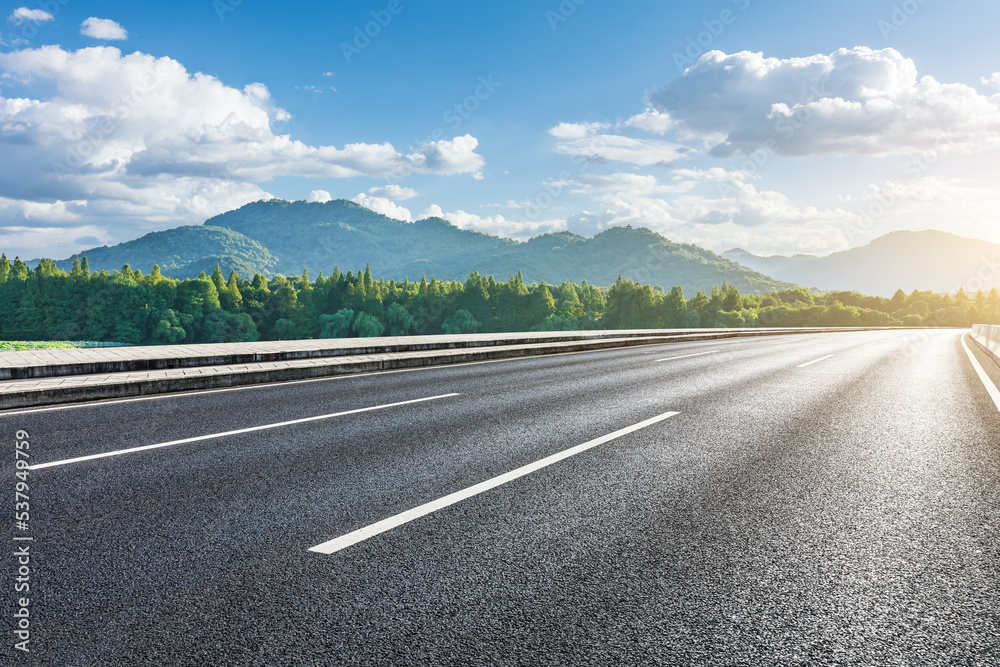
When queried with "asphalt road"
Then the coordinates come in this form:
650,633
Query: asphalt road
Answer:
816,499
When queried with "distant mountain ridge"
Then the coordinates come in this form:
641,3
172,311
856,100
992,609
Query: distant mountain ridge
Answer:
927,260
278,236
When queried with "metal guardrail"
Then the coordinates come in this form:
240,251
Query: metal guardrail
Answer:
987,337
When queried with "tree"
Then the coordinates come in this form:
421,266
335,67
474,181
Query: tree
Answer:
462,322
540,305
367,326
673,310
285,329
569,301
230,297
399,321
168,329
557,322
731,299
223,327
337,325
218,280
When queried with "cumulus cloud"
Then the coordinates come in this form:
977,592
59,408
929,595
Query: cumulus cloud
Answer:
495,225
384,206
853,101
24,15
320,196
139,138
652,120
449,157
393,192
103,29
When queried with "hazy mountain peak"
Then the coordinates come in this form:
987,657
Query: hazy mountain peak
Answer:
907,260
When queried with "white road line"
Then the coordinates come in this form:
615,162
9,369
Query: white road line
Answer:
814,361
688,355
987,382
251,429
384,525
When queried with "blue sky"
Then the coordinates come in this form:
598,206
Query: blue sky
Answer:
780,127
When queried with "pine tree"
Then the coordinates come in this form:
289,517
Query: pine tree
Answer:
217,279
5,268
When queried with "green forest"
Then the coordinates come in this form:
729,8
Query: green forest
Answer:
127,306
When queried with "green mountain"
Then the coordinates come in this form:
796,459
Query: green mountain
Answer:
638,254
183,252
319,236
278,236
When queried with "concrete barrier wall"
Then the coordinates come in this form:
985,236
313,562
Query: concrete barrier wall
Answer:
987,336
46,377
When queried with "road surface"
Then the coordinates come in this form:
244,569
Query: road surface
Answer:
809,499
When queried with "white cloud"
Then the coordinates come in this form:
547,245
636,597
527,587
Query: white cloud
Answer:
620,183
576,130
449,157
23,15
713,208
618,148
393,191
853,101
715,174
653,121
320,196
926,189
384,206
141,138
495,225
103,29
993,80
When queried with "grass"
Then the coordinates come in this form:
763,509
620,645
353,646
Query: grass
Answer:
22,345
